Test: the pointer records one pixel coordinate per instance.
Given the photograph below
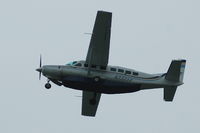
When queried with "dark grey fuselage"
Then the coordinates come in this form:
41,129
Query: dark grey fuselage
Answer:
110,82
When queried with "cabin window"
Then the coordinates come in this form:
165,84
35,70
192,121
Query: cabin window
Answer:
127,72
85,65
78,64
135,73
103,67
113,69
93,66
121,70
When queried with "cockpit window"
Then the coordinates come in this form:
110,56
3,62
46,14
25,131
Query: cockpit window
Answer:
85,65
71,63
78,64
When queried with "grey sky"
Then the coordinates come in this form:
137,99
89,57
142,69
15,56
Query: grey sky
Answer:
146,36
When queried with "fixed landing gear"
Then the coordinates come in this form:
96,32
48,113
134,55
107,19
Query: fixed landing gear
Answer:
48,85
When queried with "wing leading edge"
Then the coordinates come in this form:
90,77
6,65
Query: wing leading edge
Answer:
98,52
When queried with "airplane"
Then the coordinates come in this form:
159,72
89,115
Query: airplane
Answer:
95,77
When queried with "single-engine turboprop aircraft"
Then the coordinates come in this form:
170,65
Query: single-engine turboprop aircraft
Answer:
94,77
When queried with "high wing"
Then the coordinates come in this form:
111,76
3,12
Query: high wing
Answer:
98,52
90,101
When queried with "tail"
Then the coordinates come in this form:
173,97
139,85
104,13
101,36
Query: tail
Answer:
175,74
176,71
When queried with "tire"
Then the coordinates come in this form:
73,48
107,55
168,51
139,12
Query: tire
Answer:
47,86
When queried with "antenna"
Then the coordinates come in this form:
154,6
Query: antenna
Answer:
88,33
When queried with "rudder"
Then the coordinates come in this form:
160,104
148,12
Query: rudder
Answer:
176,71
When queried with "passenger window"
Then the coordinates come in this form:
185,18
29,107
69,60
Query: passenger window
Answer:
103,67
113,69
127,72
93,66
121,70
135,73
78,64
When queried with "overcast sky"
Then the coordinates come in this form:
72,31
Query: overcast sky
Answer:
146,36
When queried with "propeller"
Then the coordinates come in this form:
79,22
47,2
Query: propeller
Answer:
40,68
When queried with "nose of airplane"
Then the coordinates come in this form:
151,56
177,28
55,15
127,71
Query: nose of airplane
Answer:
50,71
39,69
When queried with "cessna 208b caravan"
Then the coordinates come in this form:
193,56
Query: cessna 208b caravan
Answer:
95,77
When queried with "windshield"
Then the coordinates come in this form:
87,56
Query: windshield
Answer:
71,63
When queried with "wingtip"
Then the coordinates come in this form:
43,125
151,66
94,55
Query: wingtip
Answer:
101,11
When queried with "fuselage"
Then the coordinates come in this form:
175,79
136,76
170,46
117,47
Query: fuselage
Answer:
109,80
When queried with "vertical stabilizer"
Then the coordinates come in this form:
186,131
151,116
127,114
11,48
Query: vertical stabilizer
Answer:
176,71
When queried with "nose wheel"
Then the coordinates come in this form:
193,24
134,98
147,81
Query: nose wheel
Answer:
48,85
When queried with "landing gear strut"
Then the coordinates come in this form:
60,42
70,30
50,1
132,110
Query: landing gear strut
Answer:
48,85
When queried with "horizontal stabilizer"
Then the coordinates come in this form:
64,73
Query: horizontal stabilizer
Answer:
169,93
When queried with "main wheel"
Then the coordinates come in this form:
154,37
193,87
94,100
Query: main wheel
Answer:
47,86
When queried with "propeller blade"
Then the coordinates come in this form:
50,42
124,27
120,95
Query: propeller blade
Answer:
40,67
39,75
40,60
